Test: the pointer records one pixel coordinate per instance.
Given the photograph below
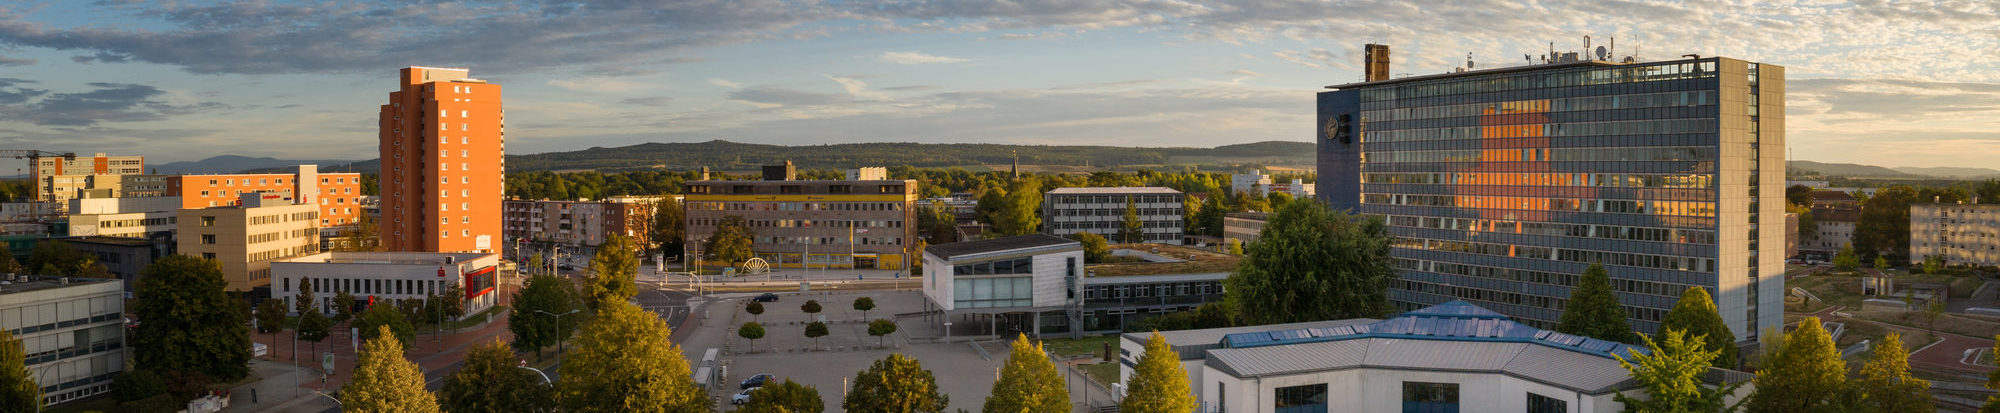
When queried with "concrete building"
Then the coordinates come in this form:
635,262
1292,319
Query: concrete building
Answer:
1251,182
128,217
443,135
125,257
1261,184
72,330
1444,358
873,173
29,219
1961,234
247,237
145,186
579,226
1101,211
1017,281
389,276
59,178
337,194
813,224
1835,228
1243,227
1501,185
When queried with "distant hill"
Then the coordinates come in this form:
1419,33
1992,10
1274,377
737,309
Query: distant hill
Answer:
726,155
1847,169
229,164
1952,172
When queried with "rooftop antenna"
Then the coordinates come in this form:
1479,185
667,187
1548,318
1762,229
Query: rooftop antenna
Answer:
1468,60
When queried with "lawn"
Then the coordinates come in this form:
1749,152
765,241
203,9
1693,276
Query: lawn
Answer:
1102,373
1198,262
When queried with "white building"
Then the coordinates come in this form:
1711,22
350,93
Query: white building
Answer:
1962,234
389,276
129,217
871,173
1101,211
1251,182
1449,357
1012,280
72,330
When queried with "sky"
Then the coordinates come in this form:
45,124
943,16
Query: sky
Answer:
1889,83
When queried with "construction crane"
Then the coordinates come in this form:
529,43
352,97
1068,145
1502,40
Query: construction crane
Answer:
35,200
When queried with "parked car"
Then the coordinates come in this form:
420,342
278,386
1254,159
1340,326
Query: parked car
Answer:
756,381
743,397
767,298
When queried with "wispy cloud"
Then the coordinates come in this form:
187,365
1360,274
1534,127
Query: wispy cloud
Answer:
918,58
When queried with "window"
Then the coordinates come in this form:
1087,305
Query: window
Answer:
208,238
207,221
1301,399
464,114
208,255
993,292
1545,404
1421,397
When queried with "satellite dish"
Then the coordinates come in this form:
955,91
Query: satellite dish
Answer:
1603,54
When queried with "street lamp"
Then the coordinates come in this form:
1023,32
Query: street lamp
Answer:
39,394
545,376
559,338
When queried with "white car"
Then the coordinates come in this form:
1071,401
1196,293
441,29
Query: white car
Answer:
744,397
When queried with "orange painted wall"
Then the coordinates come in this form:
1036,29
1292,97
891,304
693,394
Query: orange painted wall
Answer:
442,141
339,200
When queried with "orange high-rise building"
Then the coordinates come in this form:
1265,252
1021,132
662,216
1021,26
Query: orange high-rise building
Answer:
443,137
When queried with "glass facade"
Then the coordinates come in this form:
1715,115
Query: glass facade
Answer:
1421,397
1301,399
1501,186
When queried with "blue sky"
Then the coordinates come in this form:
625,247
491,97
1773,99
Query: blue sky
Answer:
1892,83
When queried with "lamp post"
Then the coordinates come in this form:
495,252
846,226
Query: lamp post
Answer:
545,376
559,338
39,394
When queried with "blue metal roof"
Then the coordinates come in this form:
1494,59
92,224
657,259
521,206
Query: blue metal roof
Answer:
1455,320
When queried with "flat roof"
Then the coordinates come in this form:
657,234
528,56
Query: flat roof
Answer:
985,246
43,282
1498,70
1159,278
1113,190
346,257
100,239
796,181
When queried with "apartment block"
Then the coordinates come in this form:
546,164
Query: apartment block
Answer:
1101,211
814,224
247,237
442,139
72,330
1501,185
582,224
59,178
337,194
1961,234
125,217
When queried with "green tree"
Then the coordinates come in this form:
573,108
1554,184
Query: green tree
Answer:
1671,375
1881,263
453,300
1313,263
134,385
863,304
384,381
17,388
533,330
1159,384
614,272
810,307
751,331
191,325
1932,311
624,363
314,327
1594,310
1208,221
730,243
669,229
896,384
385,315
306,300
881,329
1933,264
1095,248
755,309
343,307
270,319
1235,247
1021,213
1805,375
1993,382
1131,230
1695,314
1846,260
10,266
991,202
784,397
1808,224
814,331
937,224
490,382
1279,199
366,236
1028,382
1886,385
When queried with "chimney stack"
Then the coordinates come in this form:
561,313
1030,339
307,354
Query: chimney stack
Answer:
1375,62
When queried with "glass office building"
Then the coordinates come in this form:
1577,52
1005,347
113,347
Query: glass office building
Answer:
1501,186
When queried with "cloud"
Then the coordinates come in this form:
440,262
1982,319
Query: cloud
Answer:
653,101
15,61
725,83
918,58
106,102
1027,36
779,96
12,91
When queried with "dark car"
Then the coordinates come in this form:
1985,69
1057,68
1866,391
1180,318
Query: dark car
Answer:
766,298
756,381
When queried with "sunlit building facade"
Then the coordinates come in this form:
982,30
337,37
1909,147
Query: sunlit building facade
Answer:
1501,186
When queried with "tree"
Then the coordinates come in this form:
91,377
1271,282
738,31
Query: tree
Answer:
1594,310
1235,247
784,397
1993,382
863,304
730,243
991,202
669,230
1095,248
270,319
190,324
383,315
937,224
314,327
1208,221
536,265
489,381
751,331
810,307
1313,263
1846,260
57,258
453,300
306,300
1933,264
1886,385
533,330
1279,199
8,265
1159,384
366,236
815,331
1931,313
1671,375
1695,314
1020,214
896,384
1808,224
343,307
881,329
755,309
1131,230
1800,195
1028,382
384,381
1805,375
614,271
624,363
18,392
135,384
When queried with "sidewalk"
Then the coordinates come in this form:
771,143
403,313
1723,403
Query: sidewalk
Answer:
433,354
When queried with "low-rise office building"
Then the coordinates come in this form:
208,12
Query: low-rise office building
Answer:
72,330
1243,227
128,217
59,178
1039,284
247,237
811,224
389,276
1101,211
125,257
1448,357
1960,234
